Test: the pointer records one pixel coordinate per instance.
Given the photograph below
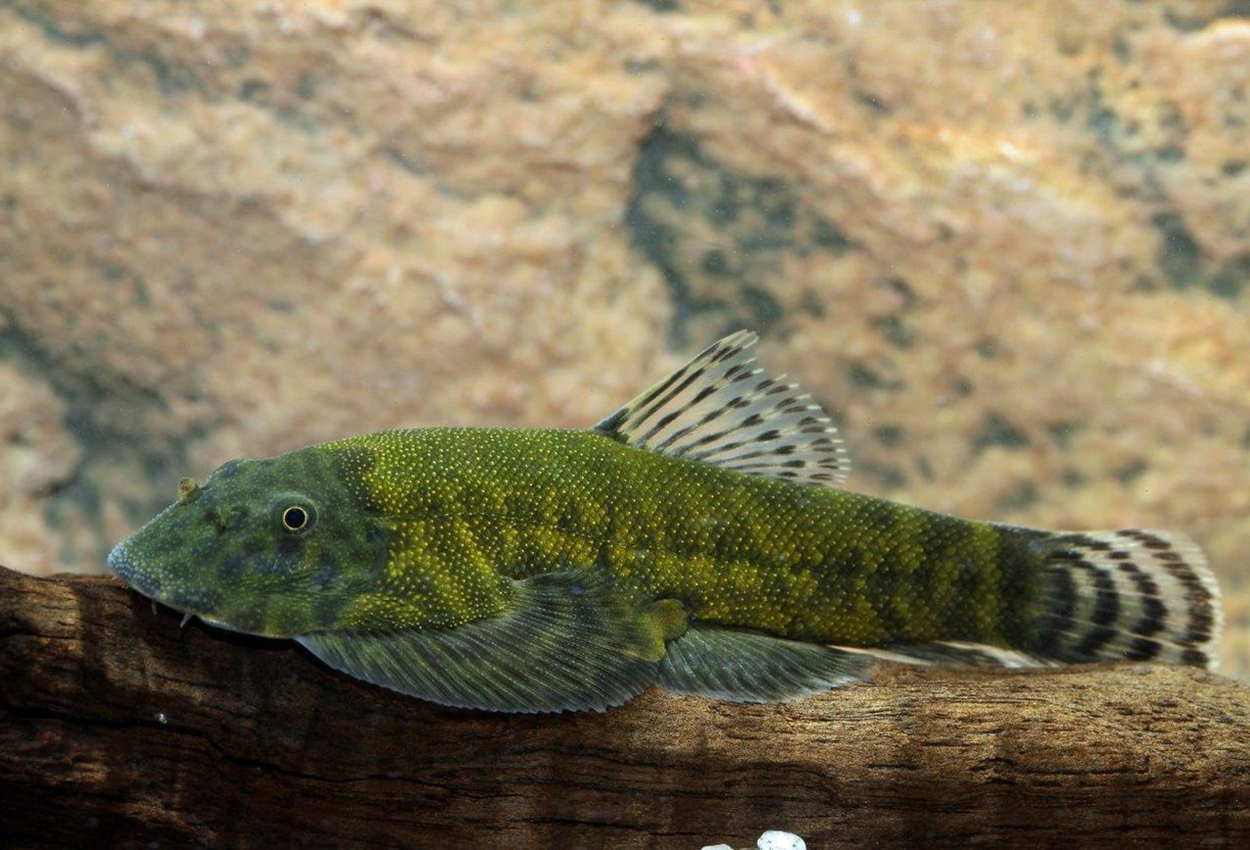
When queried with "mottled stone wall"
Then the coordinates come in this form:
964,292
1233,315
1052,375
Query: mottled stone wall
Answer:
1006,244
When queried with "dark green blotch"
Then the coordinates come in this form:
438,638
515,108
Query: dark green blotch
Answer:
759,220
889,435
326,608
998,431
1170,153
53,29
763,308
863,377
1230,280
327,574
231,568
183,601
1179,256
895,330
289,548
1061,432
890,477
870,100
1022,496
715,262
1130,471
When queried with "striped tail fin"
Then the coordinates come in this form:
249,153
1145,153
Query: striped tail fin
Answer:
1126,595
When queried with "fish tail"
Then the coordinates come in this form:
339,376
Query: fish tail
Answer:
1125,595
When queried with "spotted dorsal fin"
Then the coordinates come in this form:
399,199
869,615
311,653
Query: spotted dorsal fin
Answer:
721,408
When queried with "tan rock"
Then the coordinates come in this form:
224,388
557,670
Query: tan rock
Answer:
38,457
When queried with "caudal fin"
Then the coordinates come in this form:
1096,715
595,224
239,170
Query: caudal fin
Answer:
1127,595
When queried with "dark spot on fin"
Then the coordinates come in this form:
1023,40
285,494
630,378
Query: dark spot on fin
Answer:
721,408
1124,595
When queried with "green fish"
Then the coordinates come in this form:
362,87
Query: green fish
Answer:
697,539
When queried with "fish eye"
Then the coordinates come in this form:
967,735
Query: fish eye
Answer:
297,518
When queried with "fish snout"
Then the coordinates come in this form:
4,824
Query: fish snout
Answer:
120,562
124,566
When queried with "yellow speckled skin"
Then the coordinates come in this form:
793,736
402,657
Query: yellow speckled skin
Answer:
464,509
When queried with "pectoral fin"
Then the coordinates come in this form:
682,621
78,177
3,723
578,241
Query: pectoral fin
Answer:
746,667
568,641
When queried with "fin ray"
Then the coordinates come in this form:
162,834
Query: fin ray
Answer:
566,643
959,654
742,666
721,408
1127,594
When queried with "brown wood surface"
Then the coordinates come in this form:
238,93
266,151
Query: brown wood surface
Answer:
117,728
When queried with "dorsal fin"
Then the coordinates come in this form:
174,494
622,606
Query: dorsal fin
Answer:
721,408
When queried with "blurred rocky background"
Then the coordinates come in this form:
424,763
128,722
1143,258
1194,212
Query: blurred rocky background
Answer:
1007,245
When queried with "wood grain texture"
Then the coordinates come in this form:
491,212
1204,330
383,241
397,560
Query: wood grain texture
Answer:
117,728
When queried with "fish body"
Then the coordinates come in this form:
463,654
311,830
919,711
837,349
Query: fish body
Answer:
466,508
698,539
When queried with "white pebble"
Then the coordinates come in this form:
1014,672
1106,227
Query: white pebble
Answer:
775,839
718,847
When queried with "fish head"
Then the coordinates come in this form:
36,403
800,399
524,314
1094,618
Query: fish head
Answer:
274,547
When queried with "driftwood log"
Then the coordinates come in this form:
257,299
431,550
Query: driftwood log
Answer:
118,728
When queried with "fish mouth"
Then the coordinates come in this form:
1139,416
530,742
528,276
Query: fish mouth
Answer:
124,565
